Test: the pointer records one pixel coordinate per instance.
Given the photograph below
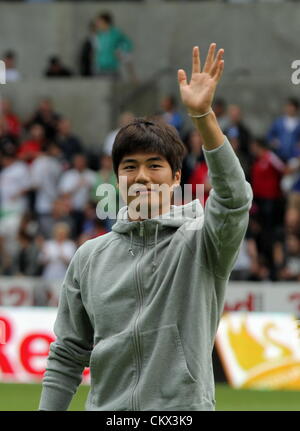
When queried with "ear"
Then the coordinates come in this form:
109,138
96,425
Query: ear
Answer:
177,177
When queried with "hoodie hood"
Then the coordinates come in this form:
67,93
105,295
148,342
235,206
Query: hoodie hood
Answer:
175,218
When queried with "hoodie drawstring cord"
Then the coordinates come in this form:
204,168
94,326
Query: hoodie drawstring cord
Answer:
155,246
130,250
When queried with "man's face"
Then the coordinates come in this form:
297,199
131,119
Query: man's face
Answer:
102,25
79,162
290,109
146,171
64,126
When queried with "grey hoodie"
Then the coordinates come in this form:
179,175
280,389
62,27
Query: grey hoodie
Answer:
141,305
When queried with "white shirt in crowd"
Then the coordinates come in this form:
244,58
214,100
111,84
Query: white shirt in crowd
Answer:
45,174
79,184
290,123
109,142
52,253
14,179
12,75
243,261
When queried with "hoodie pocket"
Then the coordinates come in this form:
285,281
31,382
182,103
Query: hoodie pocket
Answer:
166,379
112,372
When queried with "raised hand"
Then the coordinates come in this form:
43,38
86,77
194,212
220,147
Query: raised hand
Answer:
198,95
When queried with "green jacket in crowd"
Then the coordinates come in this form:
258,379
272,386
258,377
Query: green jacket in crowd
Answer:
109,45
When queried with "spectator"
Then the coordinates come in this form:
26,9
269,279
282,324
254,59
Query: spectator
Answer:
87,53
57,253
29,224
26,262
194,167
291,183
112,45
95,229
284,134
6,139
11,72
14,185
200,177
220,110
247,265
61,209
6,266
106,175
243,134
32,147
170,113
56,69
92,226
245,160
76,185
13,123
262,252
287,258
69,143
266,174
46,117
292,221
193,143
124,119
45,173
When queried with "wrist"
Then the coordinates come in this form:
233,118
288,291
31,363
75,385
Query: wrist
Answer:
200,114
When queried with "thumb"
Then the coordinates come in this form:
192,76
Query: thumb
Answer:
182,80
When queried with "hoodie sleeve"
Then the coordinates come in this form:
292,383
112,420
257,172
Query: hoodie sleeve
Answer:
71,350
226,213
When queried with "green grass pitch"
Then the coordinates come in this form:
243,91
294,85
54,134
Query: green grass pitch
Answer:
14,397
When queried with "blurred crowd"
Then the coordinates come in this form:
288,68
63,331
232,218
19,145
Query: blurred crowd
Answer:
49,181
105,51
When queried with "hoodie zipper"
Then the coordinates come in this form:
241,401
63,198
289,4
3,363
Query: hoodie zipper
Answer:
136,333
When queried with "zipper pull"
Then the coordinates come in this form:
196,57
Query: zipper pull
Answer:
141,229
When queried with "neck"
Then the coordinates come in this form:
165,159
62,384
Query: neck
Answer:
155,213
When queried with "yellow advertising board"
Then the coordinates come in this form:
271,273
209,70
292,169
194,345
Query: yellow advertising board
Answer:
260,350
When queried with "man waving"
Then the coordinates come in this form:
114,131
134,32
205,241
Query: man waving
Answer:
141,305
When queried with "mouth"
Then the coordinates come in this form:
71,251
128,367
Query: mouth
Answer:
143,192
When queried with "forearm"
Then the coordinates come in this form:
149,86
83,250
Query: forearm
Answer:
210,131
227,177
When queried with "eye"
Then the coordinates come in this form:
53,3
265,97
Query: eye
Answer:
155,166
129,167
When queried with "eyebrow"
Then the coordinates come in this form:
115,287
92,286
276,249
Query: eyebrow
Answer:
151,159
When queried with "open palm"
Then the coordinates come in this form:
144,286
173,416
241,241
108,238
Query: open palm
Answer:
199,93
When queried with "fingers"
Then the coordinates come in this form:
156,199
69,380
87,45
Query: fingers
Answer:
215,64
219,71
210,57
196,66
182,80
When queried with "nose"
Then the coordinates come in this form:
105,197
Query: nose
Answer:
142,176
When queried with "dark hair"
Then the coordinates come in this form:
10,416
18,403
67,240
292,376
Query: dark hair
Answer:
220,102
8,149
172,99
261,142
149,135
10,54
293,101
54,59
107,17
